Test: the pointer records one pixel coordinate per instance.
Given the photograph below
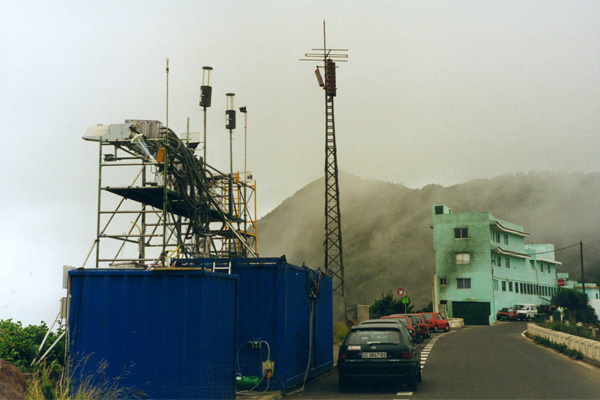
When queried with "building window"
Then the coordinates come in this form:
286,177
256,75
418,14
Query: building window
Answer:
463,258
504,286
443,282
499,261
461,233
496,236
493,259
517,287
495,285
507,262
463,283
505,238
510,284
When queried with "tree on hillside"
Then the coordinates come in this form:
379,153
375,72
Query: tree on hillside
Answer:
20,346
576,305
388,304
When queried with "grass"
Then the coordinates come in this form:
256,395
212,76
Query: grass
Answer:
95,386
574,354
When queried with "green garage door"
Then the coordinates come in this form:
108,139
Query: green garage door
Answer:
473,313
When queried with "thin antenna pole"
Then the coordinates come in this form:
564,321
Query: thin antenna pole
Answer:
581,260
188,132
165,173
204,135
324,42
167,94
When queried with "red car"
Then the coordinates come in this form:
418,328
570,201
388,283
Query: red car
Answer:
407,322
423,325
436,321
507,313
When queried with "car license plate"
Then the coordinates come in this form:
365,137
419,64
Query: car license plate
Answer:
375,354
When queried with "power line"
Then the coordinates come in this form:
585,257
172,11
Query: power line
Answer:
554,251
587,245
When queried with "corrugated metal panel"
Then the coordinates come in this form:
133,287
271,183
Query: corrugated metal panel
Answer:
169,334
275,307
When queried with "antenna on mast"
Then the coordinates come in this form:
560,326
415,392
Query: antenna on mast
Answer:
333,233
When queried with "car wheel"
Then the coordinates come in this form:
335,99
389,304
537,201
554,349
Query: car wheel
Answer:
435,328
412,384
343,383
447,328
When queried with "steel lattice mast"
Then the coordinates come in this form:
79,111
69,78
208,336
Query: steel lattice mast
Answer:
334,261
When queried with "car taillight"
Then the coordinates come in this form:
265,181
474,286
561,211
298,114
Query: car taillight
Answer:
343,356
406,354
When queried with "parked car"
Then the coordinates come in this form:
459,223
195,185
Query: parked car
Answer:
409,324
423,325
526,311
381,321
507,313
379,351
436,321
416,322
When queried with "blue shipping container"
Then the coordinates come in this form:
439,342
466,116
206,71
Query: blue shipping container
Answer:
279,305
166,333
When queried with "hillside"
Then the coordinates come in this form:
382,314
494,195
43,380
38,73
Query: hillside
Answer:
386,231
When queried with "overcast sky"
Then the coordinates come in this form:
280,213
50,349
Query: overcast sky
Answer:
433,92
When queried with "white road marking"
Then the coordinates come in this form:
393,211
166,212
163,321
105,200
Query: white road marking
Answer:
404,394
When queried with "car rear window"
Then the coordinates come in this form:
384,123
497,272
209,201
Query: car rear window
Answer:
404,321
370,336
428,315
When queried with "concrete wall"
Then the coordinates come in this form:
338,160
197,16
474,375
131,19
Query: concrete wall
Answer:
595,303
456,323
589,348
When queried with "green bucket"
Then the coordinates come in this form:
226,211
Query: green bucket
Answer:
246,382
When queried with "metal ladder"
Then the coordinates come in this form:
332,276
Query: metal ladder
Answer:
221,267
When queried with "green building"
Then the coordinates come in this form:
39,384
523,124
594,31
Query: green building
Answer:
483,265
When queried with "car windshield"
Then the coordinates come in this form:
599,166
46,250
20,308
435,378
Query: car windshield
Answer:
360,336
519,307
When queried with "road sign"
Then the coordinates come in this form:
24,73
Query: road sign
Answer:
405,300
401,292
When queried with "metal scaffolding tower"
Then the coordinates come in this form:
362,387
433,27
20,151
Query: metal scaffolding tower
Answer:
158,202
333,233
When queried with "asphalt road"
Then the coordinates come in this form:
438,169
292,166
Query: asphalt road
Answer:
479,362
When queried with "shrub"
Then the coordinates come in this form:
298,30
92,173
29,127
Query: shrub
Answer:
560,347
388,304
340,330
576,305
571,329
20,346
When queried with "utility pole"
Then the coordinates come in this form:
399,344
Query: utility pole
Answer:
581,258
